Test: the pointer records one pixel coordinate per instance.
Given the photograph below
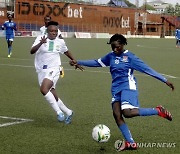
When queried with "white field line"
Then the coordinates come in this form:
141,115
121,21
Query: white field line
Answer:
17,121
17,59
23,66
16,65
22,59
152,47
169,76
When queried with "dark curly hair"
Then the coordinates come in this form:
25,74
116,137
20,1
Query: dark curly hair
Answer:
119,38
52,23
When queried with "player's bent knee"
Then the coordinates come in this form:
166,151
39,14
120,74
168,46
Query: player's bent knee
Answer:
44,91
127,113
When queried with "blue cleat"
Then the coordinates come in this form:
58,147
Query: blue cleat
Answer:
68,119
61,117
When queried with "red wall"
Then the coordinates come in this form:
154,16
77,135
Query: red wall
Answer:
87,18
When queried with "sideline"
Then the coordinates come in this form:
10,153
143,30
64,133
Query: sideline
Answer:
142,74
17,121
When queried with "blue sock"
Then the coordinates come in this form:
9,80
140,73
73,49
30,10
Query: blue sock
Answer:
9,50
147,111
126,133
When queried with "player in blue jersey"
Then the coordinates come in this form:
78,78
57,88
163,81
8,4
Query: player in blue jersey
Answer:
177,35
10,27
124,90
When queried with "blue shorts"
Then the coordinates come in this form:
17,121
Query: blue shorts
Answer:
10,37
128,99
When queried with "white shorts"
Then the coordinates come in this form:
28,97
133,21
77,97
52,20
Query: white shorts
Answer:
51,74
127,105
11,39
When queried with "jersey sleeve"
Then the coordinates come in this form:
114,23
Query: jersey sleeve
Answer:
59,32
63,46
101,62
41,30
89,63
139,65
4,25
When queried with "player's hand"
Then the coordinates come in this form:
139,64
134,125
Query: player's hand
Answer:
79,67
170,85
43,39
74,63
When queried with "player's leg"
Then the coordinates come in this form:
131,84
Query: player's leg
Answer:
68,112
45,90
117,113
9,39
64,108
61,105
45,87
159,110
129,143
130,107
177,41
10,47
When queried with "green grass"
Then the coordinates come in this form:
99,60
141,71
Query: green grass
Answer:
88,94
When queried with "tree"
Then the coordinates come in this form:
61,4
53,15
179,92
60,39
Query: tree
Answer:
177,9
147,7
129,4
169,10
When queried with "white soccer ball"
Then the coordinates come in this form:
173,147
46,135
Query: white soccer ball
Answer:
101,133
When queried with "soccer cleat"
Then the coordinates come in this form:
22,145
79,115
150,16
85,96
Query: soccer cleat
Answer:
60,117
162,112
127,146
68,119
62,72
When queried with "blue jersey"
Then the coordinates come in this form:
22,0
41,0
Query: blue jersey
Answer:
9,27
177,34
122,69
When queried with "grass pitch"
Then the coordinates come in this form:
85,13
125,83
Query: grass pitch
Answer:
87,93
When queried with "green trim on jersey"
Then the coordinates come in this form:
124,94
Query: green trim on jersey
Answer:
51,46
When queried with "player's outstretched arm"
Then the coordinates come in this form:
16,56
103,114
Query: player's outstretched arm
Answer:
73,62
170,85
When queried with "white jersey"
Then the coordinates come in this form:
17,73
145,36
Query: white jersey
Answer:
43,31
48,55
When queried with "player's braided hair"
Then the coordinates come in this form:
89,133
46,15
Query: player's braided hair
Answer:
118,37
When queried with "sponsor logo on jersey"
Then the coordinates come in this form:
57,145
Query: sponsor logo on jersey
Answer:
124,59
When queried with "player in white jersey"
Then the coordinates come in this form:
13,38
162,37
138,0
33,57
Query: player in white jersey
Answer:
43,29
47,63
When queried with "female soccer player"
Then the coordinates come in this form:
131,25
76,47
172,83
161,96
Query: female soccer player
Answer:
10,27
124,90
177,35
47,63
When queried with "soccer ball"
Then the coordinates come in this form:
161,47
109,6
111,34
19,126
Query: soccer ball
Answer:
101,133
